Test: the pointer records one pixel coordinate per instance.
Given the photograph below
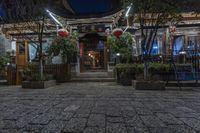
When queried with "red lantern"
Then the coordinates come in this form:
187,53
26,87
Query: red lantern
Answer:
63,33
117,32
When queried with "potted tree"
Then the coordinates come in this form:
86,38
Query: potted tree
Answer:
125,73
122,46
157,75
32,79
66,47
4,60
152,15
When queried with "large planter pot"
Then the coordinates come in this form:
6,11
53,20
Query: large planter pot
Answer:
148,85
38,84
63,78
64,75
164,77
126,80
26,84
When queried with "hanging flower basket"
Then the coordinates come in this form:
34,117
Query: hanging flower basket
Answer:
63,33
117,32
172,29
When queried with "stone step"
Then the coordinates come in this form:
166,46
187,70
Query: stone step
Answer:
92,80
94,75
3,82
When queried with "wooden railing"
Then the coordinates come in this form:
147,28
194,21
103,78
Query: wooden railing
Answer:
11,75
61,72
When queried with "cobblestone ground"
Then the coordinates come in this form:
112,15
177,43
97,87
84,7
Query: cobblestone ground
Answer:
98,108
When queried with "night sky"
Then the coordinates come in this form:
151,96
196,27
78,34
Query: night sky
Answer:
90,6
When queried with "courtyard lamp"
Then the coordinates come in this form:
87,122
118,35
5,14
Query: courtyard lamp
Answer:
182,57
118,58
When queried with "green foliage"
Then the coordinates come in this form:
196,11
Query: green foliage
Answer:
122,44
154,14
162,7
126,70
151,15
159,68
129,69
4,60
66,47
30,75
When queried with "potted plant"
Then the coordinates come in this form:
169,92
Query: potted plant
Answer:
159,70
4,60
66,47
157,75
33,80
125,73
122,46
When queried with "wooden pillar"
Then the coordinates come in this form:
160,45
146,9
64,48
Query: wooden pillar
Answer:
21,59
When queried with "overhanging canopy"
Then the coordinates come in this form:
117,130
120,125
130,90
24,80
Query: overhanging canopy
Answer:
12,11
28,10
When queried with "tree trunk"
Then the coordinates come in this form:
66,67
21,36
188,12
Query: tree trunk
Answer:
146,66
41,52
144,52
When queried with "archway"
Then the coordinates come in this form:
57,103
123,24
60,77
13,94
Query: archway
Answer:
93,55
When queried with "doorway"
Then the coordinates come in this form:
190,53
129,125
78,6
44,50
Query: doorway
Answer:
92,53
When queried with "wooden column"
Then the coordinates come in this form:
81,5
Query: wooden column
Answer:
21,59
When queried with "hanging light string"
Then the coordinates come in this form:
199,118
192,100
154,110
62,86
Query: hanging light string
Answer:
52,15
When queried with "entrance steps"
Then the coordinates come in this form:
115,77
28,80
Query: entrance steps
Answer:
3,82
93,77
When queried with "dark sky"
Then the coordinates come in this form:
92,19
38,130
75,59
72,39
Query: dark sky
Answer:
9,11
90,6
12,10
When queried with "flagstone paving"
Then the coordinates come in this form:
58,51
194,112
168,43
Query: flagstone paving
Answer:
98,108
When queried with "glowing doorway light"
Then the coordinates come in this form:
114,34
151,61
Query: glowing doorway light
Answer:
54,18
118,54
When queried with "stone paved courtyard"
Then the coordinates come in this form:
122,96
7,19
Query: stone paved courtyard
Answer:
98,108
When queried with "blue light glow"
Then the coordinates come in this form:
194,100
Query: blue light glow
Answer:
178,45
90,6
155,48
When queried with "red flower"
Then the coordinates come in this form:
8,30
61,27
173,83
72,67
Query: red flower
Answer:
63,33
117,32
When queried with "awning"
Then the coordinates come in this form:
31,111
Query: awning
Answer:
12,11
87,8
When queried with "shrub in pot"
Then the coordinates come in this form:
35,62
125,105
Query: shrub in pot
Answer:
33,80
4,60
66,47
159,71
125,73
155,82
122,45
